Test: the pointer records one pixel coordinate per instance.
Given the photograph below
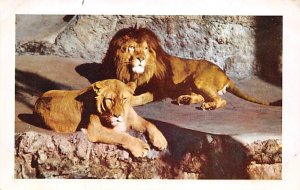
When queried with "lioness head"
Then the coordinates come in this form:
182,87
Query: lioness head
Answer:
112,101
136,55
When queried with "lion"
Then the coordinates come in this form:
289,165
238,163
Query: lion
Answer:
135,55
102,111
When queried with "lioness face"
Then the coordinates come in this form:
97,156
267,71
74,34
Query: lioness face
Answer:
135,55
112,103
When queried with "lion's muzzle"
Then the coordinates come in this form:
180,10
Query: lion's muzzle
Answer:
139,65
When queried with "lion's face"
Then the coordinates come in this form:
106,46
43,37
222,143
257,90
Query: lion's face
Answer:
112,101
133,59
135,55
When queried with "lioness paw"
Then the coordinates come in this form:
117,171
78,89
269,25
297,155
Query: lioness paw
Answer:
84,131
139,149
158,140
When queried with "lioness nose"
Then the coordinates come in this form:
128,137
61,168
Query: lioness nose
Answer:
116,115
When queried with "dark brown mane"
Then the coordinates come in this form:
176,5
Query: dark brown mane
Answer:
140,34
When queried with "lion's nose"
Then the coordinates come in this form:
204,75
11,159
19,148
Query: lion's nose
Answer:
140,58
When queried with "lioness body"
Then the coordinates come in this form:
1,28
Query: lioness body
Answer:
59,110
136,55
104,113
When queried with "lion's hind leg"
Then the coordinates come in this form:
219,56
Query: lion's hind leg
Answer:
214,101
193,98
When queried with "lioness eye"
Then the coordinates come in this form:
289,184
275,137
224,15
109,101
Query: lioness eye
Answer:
108,99
124,100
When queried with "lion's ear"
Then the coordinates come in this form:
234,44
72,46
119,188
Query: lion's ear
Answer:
132,86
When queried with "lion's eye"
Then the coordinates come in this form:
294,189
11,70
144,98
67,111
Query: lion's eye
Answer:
131,48
145,48
124,99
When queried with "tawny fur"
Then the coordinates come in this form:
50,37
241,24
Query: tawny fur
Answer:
186,80
102,111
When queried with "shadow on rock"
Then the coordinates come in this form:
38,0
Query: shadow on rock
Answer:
190,155
30,119
203,155
268,36
93,72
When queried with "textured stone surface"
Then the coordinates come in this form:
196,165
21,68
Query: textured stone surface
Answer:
212,38
265,171
236,43
191,155
266,152
39,27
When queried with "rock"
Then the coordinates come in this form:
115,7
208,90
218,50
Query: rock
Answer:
239,44
190,155
266,152
265,171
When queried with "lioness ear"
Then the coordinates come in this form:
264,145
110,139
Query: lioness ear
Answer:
132,86
97,87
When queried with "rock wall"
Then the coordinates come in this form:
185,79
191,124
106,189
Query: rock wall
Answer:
236,43
190,155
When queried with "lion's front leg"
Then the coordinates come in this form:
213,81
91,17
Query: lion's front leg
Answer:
97,133
142,99
214,100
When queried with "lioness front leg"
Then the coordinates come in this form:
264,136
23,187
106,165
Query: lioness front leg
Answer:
156,137
190,99
97,133
142,99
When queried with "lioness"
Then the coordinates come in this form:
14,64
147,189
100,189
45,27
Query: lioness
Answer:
104,113
136,55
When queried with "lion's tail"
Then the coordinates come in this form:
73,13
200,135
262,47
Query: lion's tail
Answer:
232,88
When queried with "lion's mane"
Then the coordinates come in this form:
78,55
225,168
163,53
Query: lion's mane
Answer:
156,69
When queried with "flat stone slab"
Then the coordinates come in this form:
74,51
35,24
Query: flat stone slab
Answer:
241,119
40,27
243,140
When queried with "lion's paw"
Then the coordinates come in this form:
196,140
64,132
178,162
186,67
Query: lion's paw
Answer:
184,99
208,106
